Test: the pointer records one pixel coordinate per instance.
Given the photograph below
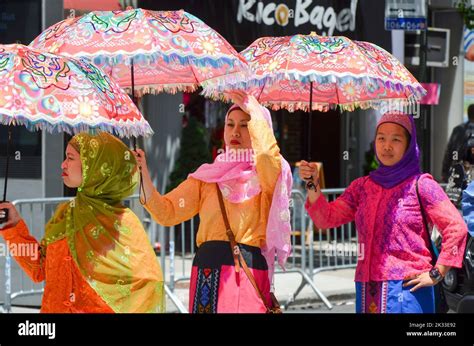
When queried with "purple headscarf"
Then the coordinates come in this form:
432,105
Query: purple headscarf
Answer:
409,165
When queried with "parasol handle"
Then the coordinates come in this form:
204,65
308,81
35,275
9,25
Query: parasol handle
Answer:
310,184
8,163
309,120
134,140
5,218
261,90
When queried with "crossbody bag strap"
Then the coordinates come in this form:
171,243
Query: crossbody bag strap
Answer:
233,244
236,251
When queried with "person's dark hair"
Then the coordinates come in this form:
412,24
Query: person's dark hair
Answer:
467,150
470,112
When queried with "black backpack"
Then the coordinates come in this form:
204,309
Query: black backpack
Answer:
457,183
458,179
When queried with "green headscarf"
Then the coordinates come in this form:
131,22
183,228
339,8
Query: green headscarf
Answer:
106,239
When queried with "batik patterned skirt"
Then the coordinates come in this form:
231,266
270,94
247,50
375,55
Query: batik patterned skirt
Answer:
392,297
216,287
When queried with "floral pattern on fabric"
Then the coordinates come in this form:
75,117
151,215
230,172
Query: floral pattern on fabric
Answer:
60,94
172,50
345,73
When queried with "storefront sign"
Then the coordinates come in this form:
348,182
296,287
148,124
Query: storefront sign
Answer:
299,13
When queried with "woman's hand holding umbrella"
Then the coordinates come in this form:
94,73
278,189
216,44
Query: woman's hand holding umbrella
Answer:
309,173
147,184
13,215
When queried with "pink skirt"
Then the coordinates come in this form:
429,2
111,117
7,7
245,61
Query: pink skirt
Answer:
217,288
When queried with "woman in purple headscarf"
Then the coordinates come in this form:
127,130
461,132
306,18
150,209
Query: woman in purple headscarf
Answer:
255,182
395,272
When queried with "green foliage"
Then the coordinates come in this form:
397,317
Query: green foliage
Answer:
371,163
194,152
467,11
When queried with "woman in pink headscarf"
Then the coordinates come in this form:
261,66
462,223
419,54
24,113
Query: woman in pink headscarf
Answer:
255,181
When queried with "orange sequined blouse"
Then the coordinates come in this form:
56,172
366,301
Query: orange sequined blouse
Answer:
66,290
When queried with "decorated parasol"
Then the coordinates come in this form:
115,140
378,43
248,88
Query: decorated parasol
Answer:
312,72
293,72
151,51
44,91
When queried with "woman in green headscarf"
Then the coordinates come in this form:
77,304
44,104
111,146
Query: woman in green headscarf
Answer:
95,255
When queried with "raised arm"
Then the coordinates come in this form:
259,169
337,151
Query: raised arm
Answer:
333,214
177,206
267,153
23,247
323,213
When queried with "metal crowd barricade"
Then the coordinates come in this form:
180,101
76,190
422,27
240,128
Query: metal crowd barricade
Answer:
35,213
332,249
182,263
301,260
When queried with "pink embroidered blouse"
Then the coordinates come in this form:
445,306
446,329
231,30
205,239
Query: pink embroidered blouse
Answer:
393,242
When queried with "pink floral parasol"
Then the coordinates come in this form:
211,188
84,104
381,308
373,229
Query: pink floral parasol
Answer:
45,91
330,71
168,50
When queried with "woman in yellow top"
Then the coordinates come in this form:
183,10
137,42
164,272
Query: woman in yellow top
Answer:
95,255
255,182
